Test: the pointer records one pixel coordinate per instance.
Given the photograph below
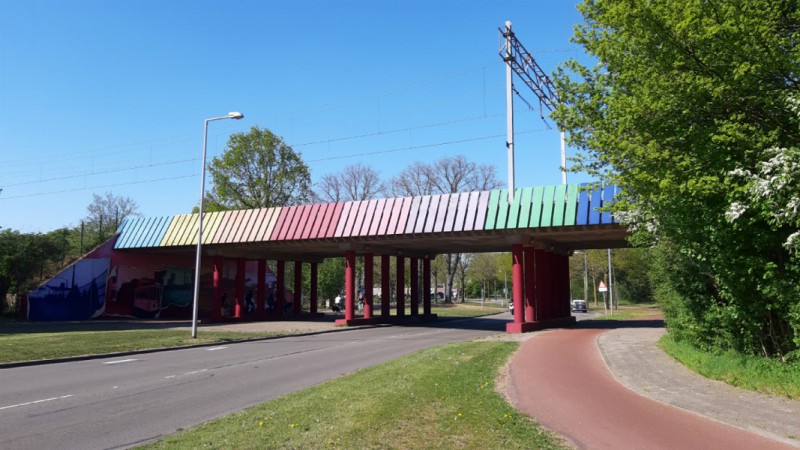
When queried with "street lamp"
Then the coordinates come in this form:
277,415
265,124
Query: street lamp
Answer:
196,299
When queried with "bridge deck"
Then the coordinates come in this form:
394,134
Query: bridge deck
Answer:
562,216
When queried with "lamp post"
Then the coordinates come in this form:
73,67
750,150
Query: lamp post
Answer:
196,298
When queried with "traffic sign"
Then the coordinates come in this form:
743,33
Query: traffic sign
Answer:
602,287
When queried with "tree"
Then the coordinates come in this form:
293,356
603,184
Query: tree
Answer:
106,213
483,270
258,170
355,182
687,103
330,281
28,258
445,176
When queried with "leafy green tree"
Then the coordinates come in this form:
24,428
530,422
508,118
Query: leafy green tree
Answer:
330,278
26,259
483,271
258,170
687,102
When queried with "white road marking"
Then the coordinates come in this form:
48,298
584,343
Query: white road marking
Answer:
195,371
35,401
215,348
170,376
120,361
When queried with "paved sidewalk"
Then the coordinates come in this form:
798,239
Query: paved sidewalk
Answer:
634,359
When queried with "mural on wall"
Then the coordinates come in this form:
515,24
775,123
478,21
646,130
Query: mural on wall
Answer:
77,293
112,284
150,292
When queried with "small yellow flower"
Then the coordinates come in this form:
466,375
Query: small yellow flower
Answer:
261,424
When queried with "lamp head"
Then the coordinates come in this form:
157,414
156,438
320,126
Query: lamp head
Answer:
235,115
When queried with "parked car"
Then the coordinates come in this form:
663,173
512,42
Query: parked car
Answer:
579,306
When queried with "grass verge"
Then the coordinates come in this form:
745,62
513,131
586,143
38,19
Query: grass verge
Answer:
49,345
748,372
627,312
437,398
466,310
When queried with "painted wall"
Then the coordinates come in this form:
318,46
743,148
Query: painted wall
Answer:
110,283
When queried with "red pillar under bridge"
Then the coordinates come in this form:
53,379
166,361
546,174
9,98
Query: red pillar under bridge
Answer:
547,274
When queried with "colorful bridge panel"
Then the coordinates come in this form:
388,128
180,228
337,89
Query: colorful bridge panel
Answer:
542,206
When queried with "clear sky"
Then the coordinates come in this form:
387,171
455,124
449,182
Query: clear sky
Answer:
100,96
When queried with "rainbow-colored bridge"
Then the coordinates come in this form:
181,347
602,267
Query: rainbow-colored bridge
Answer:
541,227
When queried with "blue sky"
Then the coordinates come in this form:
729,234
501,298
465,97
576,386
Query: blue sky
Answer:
100,96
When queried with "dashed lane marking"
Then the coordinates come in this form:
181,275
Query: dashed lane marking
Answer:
35,402
120,361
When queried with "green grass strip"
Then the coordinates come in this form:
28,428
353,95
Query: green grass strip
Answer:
49,345
748,372
437,398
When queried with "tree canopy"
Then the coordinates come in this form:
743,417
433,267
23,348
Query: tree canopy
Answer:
105,213
354,182
691,110
258,170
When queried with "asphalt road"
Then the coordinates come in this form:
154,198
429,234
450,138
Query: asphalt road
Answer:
124,401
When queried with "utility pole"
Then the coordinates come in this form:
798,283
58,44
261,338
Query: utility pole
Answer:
518,60
508,57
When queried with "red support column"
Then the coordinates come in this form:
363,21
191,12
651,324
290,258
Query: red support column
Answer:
530,284
313,293
551,286
401,286
297,303
280,285
368,283
216,299
261,288
517,286
386,292
414,275
541,285
349,284
240,268
426,286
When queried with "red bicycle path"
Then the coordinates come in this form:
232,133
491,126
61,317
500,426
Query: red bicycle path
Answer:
559,378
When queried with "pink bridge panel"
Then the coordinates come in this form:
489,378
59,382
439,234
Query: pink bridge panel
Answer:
368,218
342,222
432,210
335,217
276,231
401,222
421,215
413,214
313,218
321,227
452,213
377,218
442,213
358,219
300,223
287,223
